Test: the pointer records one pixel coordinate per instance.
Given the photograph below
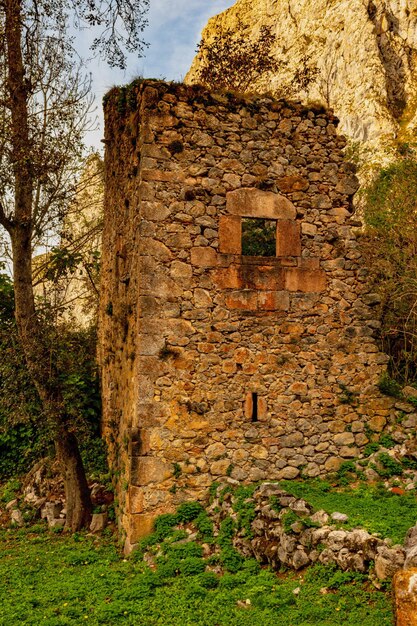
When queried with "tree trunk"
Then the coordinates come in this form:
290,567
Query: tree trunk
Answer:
77,493
32,333
46,380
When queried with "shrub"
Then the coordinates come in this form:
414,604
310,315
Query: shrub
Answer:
192,566
188,511
387,466
204,526
25,435
208,580
390,244
164,524
389,386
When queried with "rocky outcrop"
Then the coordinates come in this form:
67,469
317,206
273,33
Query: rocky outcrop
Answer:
364,51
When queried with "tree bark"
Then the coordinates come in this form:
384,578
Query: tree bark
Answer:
77,492
32,332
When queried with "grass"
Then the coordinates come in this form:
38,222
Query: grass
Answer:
375,509
59,580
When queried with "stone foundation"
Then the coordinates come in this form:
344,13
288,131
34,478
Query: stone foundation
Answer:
215,363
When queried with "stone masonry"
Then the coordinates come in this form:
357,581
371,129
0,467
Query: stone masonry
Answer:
214,363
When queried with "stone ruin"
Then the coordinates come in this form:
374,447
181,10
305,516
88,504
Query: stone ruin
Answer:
220,359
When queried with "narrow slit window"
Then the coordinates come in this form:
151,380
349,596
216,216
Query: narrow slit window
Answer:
254,406
258,237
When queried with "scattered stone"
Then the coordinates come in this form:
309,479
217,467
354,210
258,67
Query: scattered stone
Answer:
98,522
410,557
320,517
16,518
339,517
410,392
51,511
300,559
352,550
12,504
301,507
388,561
56,523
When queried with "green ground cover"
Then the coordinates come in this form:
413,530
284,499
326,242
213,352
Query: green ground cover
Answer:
58,580
373,508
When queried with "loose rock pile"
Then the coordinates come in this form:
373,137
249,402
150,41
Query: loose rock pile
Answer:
42,497
287,532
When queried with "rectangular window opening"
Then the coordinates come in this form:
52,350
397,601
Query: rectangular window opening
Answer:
254,406
258,237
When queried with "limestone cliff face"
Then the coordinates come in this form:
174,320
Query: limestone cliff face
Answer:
365,52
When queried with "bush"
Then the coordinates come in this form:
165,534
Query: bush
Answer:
25,435
164,524
390,245
204,526
387,466
208,580
188,511
192,566
389,386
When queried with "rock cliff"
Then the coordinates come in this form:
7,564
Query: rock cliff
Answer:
364,53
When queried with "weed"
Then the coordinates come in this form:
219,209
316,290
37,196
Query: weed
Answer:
386,441
184,550
387,466
288,519
164,524
389,386
208,580
409,463
10,490
204,526
347,396
275,504
121,101
346,472
370,448
226,489
176,470
231,559
244,506
188,511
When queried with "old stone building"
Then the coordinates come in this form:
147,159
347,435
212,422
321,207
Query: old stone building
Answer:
220,358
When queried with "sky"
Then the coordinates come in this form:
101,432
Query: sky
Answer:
173,33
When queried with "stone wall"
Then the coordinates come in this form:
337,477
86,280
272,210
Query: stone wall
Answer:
215,363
